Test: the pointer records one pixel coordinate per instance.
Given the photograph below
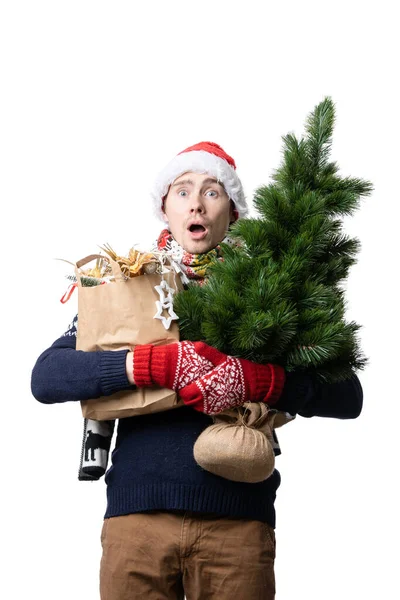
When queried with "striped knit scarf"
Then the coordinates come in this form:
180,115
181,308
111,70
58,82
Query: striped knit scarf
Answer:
193,266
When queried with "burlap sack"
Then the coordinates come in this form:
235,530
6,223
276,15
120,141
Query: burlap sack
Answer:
120,315
239,444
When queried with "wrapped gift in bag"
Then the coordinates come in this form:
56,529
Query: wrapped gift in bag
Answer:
118,314
239,445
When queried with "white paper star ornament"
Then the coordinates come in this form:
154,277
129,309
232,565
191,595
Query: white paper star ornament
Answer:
165,303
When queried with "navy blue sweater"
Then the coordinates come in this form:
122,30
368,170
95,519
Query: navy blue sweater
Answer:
153,467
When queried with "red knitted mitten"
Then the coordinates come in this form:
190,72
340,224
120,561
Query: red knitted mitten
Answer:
174,365
232,383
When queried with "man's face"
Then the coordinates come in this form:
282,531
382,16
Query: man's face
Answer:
198,211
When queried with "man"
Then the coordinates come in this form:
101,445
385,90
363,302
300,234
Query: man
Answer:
172,529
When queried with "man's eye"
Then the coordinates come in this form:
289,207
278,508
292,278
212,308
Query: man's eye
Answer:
182,192
212,192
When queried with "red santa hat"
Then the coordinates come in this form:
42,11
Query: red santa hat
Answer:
205,157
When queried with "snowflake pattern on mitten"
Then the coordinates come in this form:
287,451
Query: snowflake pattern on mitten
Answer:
190,365
223,387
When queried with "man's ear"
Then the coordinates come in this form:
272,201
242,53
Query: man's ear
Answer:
233,213
164,215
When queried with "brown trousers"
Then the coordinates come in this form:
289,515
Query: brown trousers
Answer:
170,556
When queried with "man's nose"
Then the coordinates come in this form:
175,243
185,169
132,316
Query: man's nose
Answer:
197,204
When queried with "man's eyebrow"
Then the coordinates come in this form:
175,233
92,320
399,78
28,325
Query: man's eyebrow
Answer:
190,182
211,180
183,182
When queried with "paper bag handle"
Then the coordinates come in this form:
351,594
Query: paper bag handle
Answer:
116,269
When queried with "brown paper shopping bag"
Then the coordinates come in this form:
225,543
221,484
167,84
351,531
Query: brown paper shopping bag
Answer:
120,315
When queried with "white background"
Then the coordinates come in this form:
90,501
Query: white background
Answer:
95,98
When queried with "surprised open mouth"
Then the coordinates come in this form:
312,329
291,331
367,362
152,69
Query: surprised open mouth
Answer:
197,231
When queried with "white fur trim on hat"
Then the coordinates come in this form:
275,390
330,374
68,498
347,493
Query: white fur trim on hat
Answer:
199,161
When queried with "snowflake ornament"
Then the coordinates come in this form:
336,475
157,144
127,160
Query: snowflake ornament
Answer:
166,302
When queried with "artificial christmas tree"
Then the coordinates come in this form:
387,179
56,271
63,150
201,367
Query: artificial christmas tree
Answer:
277,295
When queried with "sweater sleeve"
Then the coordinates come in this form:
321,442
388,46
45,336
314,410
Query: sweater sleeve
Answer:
304,395
62,373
